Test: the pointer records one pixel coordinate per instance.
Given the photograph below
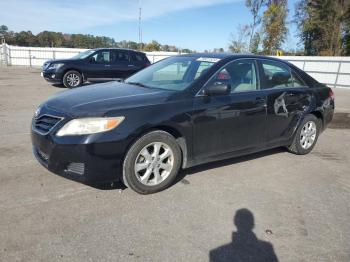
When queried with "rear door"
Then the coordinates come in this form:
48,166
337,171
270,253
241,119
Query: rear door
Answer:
121,67
138,61
288,98
98,66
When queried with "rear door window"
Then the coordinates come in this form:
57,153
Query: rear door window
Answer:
120,56
276,75
137,57
297,80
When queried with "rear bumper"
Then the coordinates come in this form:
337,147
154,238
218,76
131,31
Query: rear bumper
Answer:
87,163
328,112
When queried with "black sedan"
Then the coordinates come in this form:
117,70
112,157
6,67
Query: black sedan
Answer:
95,65
180,112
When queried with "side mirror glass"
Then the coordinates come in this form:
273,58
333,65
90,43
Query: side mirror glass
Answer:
217,88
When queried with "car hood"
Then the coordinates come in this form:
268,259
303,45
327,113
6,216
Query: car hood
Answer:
60,61
99,99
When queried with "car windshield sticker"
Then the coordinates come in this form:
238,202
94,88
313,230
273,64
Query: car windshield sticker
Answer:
208,59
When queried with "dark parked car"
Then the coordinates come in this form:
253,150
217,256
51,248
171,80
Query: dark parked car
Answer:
96,65
177,113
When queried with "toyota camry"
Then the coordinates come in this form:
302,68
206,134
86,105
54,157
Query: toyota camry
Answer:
180,112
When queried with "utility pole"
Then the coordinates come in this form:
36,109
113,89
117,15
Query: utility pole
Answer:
140,30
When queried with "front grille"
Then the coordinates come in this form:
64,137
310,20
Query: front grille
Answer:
45,123
77,168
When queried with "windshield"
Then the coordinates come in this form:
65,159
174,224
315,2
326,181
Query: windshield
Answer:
174,73
84,54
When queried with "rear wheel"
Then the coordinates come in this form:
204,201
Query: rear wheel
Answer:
72,79
152,163
306,136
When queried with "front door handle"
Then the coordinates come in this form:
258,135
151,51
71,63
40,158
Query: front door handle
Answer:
290,95
107,65
260,100
131,65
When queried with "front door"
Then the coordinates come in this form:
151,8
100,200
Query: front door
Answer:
232,122
99,66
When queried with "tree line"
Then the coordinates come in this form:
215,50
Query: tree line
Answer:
57,39
323,27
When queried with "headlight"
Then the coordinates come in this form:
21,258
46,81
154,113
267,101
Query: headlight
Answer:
85,126
55,66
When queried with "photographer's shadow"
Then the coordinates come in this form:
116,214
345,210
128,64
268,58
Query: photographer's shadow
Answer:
245,246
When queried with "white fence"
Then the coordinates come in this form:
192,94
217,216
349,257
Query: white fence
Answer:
333,71
36,56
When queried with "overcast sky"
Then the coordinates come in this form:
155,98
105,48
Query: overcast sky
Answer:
195,24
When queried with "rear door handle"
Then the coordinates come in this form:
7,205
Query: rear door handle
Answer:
107,65
131,65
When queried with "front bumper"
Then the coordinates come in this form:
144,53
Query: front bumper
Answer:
80,158
52,76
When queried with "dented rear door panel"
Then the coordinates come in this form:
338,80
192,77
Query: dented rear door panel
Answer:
285,108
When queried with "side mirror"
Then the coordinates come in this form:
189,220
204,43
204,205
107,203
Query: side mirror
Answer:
217,88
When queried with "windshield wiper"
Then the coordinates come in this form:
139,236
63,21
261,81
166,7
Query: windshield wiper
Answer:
136,84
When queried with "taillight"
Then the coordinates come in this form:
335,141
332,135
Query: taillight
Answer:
331,94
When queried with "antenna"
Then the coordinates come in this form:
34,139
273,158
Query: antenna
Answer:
140,30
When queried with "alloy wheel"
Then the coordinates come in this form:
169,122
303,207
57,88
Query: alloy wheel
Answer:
308,135
73,80
154,163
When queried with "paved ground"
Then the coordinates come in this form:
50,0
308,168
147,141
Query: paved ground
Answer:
300,203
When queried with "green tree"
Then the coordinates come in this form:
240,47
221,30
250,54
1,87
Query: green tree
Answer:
152,46
254,7
186,50
323,26
133,45
25,38
274,25
165,48
57,39
3,29
51,39
128,44
255,43
346,33
10,36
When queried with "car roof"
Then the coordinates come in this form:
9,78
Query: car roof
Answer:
117,48
233,55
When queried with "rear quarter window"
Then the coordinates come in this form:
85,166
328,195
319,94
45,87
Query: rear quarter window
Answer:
297,80
137,57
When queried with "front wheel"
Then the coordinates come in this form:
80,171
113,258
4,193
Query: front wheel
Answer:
72,79
306,136
152,163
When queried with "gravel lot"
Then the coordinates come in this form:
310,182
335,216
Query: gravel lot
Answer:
300,204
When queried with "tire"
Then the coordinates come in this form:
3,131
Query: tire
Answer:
156,171
72,79
300,146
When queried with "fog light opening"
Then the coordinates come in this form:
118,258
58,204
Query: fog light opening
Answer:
76,168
